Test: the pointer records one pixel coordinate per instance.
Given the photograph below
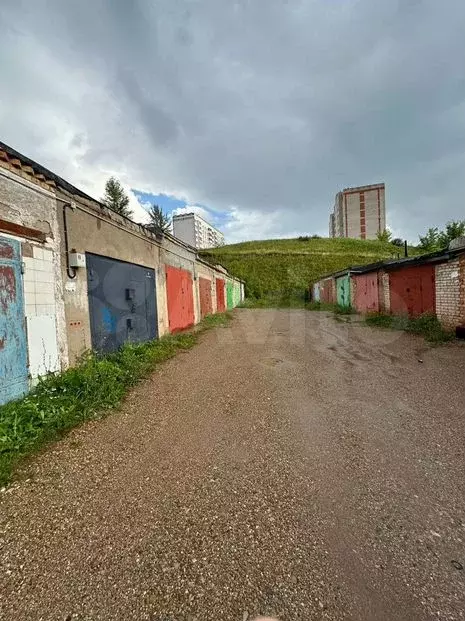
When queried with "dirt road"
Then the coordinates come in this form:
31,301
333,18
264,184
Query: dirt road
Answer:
289,465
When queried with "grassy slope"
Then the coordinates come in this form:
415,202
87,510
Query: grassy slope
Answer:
283,265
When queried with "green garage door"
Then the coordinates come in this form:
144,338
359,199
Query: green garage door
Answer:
229,295
343,290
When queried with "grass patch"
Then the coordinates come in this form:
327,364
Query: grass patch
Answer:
288,265
85,392
278,299
426,325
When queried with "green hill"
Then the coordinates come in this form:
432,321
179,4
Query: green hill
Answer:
282,266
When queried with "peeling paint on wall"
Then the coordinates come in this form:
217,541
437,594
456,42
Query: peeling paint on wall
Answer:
13,359
7,286
6,251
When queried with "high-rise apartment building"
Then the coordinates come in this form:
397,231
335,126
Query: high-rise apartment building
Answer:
197,232
359,212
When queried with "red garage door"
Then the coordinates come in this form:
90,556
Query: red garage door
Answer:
327,291
220,303
180,296
412,290
366,298
205,291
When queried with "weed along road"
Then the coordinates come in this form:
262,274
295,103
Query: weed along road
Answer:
289,465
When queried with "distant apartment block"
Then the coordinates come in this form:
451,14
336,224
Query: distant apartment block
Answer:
359,212
195,231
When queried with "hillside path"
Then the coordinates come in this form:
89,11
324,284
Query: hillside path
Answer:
289,464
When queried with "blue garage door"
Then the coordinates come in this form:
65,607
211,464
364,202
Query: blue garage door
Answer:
13,347
121,303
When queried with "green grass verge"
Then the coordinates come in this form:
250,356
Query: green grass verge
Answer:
85,392
426,325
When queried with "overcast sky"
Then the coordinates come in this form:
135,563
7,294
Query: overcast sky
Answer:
257,110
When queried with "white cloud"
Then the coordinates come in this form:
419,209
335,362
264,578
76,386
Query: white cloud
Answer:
139,211
193,209
270,109
247,225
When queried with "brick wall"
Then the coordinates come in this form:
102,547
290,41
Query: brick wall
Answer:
353,286
448,293
384,293
462,288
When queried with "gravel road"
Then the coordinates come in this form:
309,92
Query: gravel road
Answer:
289,465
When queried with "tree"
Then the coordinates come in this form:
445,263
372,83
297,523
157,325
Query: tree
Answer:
455,228
159,220
116,198
430,241
440,240
397,242
384,236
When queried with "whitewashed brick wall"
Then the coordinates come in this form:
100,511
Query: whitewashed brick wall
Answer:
448,293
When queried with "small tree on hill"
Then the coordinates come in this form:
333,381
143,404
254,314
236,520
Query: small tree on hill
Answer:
430,241
116,198
384,236
159,220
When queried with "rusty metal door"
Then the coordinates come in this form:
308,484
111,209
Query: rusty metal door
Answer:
220,302
122,302
13,343
327,291
366,296
412,290
180,295
205,292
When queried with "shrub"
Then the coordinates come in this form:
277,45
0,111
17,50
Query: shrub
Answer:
426,325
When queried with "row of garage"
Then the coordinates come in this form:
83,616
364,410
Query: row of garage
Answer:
431,283
76,276
126,300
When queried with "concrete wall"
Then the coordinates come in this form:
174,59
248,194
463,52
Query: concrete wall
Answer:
99,231
450,283
25,202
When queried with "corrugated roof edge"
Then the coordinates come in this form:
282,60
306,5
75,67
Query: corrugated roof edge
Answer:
391,264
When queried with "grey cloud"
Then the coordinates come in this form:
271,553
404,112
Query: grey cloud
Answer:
262,106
